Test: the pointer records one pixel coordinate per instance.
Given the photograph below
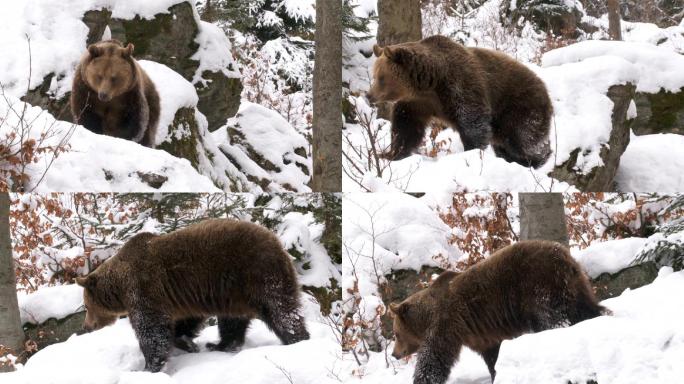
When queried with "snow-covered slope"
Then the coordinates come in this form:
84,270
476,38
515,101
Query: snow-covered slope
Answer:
112,355
96,162
642,342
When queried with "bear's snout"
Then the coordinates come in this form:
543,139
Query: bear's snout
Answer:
370,98
104,96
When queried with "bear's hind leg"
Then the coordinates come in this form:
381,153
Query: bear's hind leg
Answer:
281,315
154,332
408,128
185,331
490,356
232,332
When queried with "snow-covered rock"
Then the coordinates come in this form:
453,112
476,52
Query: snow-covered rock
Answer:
265,148
50,302
94,162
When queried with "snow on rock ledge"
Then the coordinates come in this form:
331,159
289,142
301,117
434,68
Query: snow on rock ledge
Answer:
642,342
50,303
266,148
659,79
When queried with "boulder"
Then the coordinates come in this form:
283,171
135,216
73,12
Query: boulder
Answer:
661,112
601,178
609,285
265,147
556,16
55,330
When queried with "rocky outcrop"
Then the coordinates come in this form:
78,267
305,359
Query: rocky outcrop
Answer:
601,178
168,38
55,330
661,112
609,285
556,16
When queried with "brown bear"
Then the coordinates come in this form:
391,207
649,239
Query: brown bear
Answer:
526,287
112,95
168,284
488,97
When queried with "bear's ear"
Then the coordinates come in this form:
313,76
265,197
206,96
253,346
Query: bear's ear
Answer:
87,282
94,51
377,51
398,309
128,51
397,54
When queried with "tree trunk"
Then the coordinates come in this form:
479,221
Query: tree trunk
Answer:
327,98
542,217
11,332
400,21
614,28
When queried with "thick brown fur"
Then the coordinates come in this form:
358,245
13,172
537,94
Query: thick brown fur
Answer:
112,95
168,284
527,287
487,96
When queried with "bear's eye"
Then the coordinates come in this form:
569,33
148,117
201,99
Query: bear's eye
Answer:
98,77
381,80
114,79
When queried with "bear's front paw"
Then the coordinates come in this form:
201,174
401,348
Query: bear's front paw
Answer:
186,344
155,365
224,347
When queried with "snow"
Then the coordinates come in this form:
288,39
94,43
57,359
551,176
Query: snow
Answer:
112,168
652,163
273,139
654,68
647,322
214,53
50,302
174,93
398,230
112,355
300,9
301,232
609,256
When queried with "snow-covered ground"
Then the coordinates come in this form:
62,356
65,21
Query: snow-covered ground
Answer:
577,77
112,355
648,324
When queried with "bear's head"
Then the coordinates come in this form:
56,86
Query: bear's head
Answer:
109,69
407,333
391,80
413,316
99,310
